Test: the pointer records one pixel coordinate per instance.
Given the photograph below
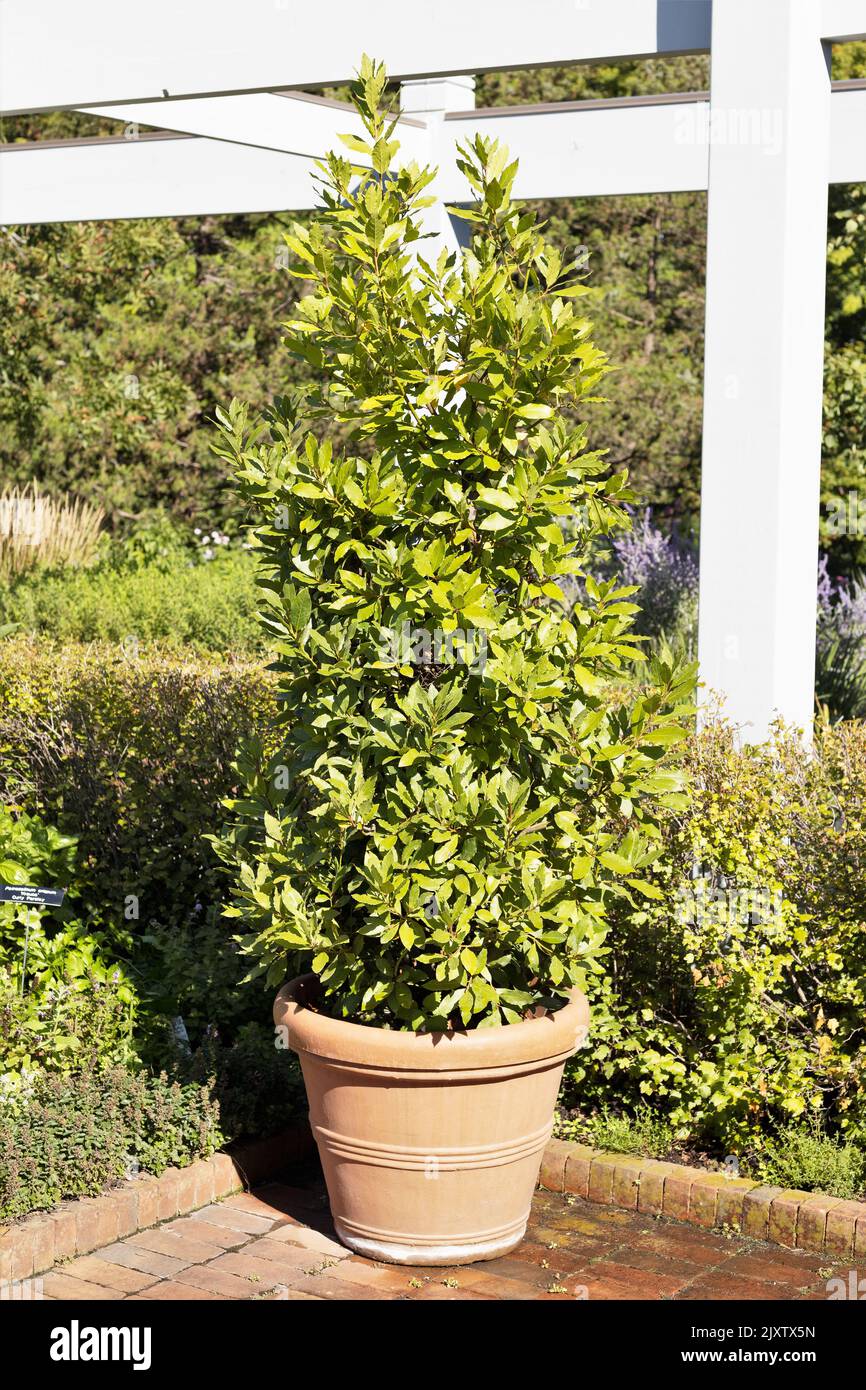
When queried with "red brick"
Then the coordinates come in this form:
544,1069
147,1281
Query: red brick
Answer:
58,1285
440,1293
729,1206
756,1211
841,1223
626,1184
640,1284
146,1192
784,1212
226,1178
267,1202
147,1261
97,1223
167,1195
109,1276
169,1289
263,1274
180,1247
203,1183
577,1169
42,1236
812,1222
553,1161
309,1239
601,1175
650,1197
772,1267
65,1226
186,1181
124,1202
677,1193
23,1247
219,1281
208,1232
6,1236
288,1257
221,1214
391,1279
336,1290
860,1239
704,1199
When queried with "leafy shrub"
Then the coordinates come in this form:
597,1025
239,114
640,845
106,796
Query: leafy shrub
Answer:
73,1136
450,831
183,606
258,1088
133,757
62,1005
76,1015
805,1157
735,999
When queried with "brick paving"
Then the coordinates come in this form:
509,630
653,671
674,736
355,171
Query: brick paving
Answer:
278,1243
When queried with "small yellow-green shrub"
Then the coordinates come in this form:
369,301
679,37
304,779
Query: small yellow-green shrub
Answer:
737,996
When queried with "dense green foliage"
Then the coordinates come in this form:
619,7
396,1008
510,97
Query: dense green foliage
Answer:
805,1157
452,822
133,755
186,606
737,998
71,1136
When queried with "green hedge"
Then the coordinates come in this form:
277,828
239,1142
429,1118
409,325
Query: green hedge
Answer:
202,607
133,757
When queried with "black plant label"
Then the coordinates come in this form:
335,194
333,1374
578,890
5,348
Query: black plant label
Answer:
25,893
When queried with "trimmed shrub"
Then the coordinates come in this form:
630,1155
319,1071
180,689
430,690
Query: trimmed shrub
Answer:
133,757
184,607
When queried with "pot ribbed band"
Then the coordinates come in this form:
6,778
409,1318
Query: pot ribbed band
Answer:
441,1160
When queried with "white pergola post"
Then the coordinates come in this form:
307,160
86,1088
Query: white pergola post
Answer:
766,268
429,100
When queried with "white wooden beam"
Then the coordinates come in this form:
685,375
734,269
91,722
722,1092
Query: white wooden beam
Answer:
583,149
79,53
590,148
153,176
848,133
843,20
431,100
290,122
766,258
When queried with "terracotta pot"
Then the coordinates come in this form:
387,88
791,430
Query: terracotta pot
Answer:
430,1143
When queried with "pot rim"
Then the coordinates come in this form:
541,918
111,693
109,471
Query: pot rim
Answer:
549,1038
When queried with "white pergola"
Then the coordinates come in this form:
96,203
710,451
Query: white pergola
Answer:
219,79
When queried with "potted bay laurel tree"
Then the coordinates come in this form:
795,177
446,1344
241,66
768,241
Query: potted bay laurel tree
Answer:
468,769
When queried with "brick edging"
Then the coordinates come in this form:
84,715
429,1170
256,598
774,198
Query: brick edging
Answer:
799,1220
77,1227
